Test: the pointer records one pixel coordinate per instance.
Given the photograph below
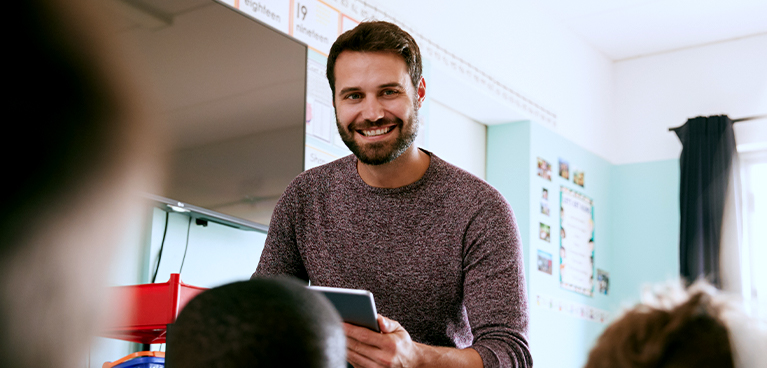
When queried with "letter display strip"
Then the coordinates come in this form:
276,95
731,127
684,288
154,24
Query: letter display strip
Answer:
310,21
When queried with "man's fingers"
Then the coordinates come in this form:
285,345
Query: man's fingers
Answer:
357,359
366,348
358,346
373,353
362,334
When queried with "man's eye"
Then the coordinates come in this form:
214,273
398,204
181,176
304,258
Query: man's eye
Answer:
390,92
353,96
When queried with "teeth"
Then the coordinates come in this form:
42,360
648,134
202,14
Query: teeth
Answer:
375,132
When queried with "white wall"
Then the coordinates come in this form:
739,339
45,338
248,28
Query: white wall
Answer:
457,139
526,49
657,92
621,111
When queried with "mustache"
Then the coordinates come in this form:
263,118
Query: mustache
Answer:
369,124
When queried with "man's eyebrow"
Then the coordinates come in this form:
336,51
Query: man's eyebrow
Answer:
349,89
394,84
356,89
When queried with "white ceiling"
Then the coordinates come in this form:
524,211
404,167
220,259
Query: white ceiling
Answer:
231,96
622,29
209,63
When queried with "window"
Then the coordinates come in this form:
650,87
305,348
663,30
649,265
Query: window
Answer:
754,184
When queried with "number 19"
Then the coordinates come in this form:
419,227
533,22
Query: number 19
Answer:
301,9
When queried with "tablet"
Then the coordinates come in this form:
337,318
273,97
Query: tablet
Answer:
355,306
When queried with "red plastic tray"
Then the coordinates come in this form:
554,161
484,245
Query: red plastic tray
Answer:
148,309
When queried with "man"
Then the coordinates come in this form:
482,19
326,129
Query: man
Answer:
258,323
438,247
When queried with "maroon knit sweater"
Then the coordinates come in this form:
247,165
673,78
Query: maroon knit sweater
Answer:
442,256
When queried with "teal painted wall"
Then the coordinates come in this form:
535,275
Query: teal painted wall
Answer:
645,232
574,336
508,150
216,254
633,205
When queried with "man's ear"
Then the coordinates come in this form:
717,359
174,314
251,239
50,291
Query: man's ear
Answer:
421,91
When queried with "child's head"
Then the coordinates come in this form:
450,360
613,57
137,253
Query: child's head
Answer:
261,323
676,329
80,151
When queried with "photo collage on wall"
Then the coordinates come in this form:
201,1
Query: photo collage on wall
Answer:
578,175
545,260
576,231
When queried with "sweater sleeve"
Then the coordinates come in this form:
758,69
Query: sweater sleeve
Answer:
494,286
280,255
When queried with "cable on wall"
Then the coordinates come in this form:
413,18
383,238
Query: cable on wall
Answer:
188,227
162,245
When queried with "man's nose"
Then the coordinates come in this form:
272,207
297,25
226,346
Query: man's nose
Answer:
372,110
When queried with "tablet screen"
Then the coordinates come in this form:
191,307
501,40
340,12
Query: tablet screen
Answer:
355,306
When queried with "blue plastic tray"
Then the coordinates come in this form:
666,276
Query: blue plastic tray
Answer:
143,362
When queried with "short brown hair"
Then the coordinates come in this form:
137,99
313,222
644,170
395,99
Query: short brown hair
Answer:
691,334
377,36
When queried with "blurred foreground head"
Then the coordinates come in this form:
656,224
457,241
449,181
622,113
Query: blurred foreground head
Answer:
678,328
75,155
275,322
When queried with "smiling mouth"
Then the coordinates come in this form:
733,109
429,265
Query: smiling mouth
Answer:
376,132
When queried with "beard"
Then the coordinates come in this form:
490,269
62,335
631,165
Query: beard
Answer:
380,153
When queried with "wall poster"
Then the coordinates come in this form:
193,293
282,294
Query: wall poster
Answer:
545,202
579,177
544,169
545,232
544,262
564,169
603,280
576,247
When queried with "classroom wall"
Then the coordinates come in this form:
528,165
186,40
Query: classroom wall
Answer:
527,50
127,268
457,139
657,92
620,110
636,227
211,255
215,254
626,151
508,151
645,227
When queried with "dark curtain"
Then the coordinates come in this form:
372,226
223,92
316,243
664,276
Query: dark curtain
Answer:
708,150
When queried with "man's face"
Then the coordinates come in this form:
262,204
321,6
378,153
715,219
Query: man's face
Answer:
376,105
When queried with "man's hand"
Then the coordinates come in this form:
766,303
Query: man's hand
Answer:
393,347
390,348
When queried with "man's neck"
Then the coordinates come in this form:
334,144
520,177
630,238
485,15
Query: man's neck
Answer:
406,169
